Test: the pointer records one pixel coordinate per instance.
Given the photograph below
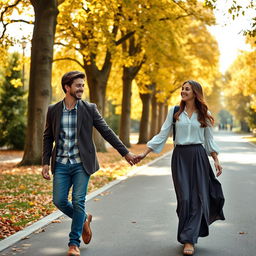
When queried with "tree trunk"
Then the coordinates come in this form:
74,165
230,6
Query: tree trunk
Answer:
40,78
165,111
129,73
160,115
97,82
125,121
144,122
154,116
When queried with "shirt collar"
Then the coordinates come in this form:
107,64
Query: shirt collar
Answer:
65,108
185,112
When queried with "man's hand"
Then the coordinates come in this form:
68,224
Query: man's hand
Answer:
131,158
45,172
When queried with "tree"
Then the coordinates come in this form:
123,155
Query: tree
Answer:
45,13
40,77
240,89
91,29
151,20
12,105
187,51
132,49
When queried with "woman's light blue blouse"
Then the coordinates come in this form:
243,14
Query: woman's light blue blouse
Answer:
188,131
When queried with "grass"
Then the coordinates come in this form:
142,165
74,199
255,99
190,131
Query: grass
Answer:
26,197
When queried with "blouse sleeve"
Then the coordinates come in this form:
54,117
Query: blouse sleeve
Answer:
158,141
209,143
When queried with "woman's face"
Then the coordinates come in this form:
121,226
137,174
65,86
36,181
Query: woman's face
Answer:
187,93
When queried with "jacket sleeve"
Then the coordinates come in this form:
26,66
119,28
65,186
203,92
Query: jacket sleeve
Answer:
47,139
107,133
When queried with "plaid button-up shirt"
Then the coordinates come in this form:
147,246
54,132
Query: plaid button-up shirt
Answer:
67,148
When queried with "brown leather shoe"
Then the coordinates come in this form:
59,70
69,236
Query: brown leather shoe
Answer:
87,233
73,251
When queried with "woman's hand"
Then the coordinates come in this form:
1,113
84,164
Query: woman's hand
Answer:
218,167
141,156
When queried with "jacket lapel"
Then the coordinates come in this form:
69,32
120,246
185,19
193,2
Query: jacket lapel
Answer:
58,115
79,116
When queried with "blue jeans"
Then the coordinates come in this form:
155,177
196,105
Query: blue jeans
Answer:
66,176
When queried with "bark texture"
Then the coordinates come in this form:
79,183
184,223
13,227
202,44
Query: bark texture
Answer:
40,78
154,116
144,122
160,116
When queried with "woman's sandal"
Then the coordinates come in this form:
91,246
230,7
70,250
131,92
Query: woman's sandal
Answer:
188,251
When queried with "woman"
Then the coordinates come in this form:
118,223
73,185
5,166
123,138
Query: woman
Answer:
199,194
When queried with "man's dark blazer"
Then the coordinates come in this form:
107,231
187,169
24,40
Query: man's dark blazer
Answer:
88,117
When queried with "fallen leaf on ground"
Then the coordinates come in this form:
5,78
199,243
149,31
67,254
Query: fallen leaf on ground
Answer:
26,245
39,231
56,221
105,193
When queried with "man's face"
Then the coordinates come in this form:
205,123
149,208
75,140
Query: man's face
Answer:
76,89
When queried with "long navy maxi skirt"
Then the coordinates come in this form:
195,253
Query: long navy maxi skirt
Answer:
199,194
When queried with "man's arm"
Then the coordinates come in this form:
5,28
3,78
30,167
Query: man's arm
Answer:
47,146
109,135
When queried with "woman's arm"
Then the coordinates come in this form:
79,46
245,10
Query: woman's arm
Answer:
144,154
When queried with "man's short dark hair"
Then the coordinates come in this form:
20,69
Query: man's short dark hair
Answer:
69,77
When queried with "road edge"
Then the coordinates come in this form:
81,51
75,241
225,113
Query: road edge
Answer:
22,234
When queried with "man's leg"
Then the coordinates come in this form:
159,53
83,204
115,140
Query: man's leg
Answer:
62,182
80,182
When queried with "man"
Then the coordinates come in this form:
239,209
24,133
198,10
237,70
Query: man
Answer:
69,125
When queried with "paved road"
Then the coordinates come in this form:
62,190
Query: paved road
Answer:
137,217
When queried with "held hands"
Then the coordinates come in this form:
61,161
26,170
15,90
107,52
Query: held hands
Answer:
134,159
131,158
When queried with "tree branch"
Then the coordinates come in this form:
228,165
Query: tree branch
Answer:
66,45
24,21
130,34
69,58
124,38
177,18
174,89
2,16
184,9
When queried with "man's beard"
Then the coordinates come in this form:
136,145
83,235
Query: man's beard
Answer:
75,96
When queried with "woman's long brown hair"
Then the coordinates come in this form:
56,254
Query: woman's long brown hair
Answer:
203,116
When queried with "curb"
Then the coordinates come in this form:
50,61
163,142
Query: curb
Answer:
11,240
